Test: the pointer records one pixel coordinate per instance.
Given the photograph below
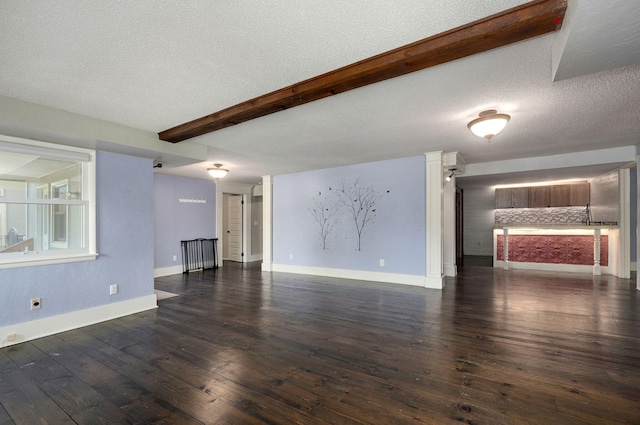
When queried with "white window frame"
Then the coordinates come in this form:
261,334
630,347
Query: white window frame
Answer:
88,201
54,243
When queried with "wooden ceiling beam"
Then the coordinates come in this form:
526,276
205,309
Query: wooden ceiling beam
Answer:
510,26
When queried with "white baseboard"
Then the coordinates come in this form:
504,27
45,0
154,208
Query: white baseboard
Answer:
434,281
401,279
254,257
450,270
167,271
27,331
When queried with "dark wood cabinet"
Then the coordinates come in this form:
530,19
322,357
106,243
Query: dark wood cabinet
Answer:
520,197
503,198
539,197
560,195
515,197
579,194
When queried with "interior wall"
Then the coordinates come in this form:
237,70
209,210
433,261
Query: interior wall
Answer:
175,220
392,194
605,197
124,236
478,220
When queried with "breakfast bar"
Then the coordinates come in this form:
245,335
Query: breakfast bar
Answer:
577,248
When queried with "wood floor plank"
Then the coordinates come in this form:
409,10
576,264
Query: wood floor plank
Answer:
26,403
240,346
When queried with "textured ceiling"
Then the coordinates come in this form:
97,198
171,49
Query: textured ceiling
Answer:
155,64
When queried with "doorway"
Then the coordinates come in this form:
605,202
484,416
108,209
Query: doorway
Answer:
233,227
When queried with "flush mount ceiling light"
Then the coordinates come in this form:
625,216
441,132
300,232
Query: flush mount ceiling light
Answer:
217,172
488,124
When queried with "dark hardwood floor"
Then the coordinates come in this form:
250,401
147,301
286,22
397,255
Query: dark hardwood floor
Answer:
238,346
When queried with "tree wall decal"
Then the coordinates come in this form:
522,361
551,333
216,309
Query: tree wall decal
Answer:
324,211
360,202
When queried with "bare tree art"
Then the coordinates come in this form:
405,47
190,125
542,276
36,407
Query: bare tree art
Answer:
324,212
360,203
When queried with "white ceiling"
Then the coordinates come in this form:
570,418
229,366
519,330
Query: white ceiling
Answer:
156,64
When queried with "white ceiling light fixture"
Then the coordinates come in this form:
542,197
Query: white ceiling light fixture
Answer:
488,124
217,172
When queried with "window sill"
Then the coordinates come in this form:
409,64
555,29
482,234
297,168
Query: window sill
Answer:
44,261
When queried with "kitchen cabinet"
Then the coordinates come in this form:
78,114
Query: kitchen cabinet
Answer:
503,198
560,195
539,197
515,197
579,194
520,197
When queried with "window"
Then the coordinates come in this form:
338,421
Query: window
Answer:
47,203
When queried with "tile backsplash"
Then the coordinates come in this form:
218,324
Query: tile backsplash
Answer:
564,215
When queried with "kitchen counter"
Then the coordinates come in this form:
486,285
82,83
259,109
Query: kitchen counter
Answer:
556,226
556,247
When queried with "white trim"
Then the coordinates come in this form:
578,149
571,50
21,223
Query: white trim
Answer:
450,270
88,201
637,202
267,223
47,261
400,279
449,267
434,282
574,159
253,257
245,191
167,271
624,223
434,222
61,153
28,331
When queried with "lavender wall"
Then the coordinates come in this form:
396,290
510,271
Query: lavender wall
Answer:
175,221
396,234
124,242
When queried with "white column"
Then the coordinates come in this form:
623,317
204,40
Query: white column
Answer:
219,224
596,252
624,225
267,224
637,201
434,275
449,223
505,248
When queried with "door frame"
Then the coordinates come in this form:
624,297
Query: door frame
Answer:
235,189
226,240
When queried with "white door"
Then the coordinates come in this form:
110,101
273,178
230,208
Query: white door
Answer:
234,228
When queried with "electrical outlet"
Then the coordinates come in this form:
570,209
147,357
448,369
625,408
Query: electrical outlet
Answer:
175,257
381,263
36,303
290,256
113,289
